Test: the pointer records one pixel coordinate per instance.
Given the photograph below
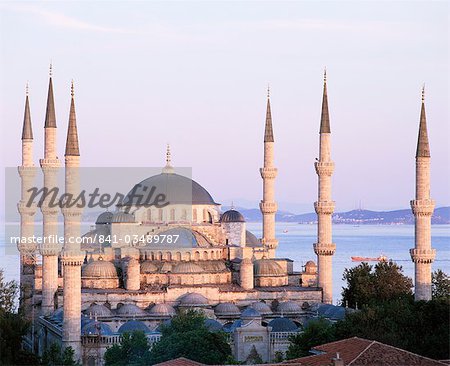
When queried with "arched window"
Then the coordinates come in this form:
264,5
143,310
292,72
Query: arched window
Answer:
160,214
178,256
194,215
184,214
197,256
149,214
205,256
172,214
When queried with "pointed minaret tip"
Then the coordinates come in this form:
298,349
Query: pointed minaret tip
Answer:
27,131
50,116
72,146
268,132
423,146
168,168
325,118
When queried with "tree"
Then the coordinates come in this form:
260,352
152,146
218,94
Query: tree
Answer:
8,294
134,349
317,332
54,356
440,285
187,336
420,327
368,285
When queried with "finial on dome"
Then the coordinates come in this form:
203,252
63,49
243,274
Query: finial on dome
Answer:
50,71
268,90
232,205
72,89
27,89
423,93
168,168
325,75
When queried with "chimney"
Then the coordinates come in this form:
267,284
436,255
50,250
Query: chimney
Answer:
338,361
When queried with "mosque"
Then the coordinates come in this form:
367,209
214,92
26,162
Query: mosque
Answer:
88,295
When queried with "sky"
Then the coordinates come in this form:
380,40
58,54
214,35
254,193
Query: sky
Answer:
195,75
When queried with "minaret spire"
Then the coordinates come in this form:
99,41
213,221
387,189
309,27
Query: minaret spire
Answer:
27,131
325,118
50,117
268,206
422,207
423,146
72,147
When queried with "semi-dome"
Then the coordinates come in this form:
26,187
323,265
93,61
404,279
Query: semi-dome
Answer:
226,309
262,308
250,313
133,325
97,310
186,238
289,307
177,189
104,218
96,328
99,269
130,310
187,267
122,217
251,239
214,266
193,299
148,267
267,267
232,216
163,310
282,325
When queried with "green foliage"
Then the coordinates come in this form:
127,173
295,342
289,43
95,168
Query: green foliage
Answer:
8,294
420,327
368,285
440,285
187,336
279,357
54,356
317,332
134,349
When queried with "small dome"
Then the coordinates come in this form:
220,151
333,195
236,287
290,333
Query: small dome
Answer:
268,267
232,216
310,267
104,218
148,267
332,312
162,310
213,325
226,309
96,328
289,307
214,266
193,299
250,313
262,308
99,269
122,217
187,267
131,310
133,325
231,327
282,325
98,310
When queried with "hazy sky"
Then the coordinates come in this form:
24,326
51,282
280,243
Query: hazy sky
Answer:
195,74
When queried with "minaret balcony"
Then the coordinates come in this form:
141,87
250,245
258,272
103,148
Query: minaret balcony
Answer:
324,168
324,207
48,210
26,210
72,257
72,212
51,246
422,255
50,165
27,171
28,247
422,207
270,243
324,249
268,173
268,207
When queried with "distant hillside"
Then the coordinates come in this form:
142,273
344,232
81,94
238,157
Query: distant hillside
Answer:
441,216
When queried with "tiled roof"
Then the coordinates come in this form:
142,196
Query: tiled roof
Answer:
181,361
358,352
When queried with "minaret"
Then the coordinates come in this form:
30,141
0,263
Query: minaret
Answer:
27,172
268,205
325,248
49,249
72,257
422,207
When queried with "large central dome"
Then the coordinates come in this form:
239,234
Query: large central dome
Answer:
177,189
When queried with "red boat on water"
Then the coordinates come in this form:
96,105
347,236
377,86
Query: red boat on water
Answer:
381,258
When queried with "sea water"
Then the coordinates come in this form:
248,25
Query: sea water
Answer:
296,242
